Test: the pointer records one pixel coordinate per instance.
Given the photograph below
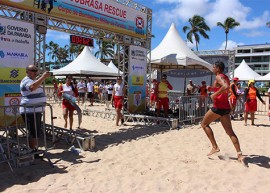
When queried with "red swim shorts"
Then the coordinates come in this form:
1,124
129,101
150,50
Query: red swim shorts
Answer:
163,102
153,97
67,105
118,102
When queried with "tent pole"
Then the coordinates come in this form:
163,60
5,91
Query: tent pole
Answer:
185,81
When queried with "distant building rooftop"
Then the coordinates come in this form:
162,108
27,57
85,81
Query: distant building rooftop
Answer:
266,44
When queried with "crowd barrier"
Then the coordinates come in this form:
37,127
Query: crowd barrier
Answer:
14,138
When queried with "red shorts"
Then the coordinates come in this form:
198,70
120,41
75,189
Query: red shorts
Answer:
118,102
67,105
251,106
233,101
163,102
153,97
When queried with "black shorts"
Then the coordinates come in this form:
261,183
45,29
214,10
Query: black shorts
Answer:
30,121
90,95
81,94
220,112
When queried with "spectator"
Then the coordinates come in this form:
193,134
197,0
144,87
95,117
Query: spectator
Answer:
110,90
233,96
96,92
250,98
81,89
191,88
90,91
153,94
32,93
162,95
203,94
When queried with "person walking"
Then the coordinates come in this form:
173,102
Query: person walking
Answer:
162,95
118,95
90,91
68,109
33,94
250,95
220,110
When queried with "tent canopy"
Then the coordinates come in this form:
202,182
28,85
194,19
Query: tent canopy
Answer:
244,72
173,53
86,64
264,78
111,65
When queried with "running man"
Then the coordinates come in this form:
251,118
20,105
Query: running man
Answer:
221,109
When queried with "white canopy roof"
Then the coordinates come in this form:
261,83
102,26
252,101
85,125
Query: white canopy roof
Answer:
86,64
244,72
173,53
264,78
111,65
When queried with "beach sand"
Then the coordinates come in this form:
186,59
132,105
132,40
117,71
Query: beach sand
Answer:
137,158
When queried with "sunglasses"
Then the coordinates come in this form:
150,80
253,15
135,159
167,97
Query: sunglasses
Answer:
33,70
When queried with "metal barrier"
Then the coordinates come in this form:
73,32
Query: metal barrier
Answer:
14,140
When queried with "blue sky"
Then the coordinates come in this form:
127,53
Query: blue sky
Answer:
251,14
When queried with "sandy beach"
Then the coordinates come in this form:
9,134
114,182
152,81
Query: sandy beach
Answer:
137,158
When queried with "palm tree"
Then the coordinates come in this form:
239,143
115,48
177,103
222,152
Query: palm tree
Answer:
106,50
228,24
197,27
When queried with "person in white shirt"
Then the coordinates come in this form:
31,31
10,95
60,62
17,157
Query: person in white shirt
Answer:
118,96
81,90
90,91
110,90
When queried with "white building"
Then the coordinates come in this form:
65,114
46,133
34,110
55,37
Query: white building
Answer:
257,56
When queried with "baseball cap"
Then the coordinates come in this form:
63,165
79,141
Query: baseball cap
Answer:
251,81
235,78
119,78
164,76
203,82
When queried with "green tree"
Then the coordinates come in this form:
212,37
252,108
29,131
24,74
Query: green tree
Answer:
228,24
106,50
197,27
53,49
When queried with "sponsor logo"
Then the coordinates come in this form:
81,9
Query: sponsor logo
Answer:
139,22
14,73
2,54
17,55
2,30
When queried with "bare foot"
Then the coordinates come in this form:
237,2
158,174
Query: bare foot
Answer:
213,150
242,160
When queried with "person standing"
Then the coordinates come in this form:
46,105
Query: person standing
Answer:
81,90
191,88
203,94
220,110
33,94
162,95
68,109
250,95
118,95
153,94
110,90
233,96
90,91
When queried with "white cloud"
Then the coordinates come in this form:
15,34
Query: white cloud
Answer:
213,12
254,33
230,45
57,35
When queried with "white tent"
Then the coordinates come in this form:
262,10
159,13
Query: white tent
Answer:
111,65
244,72
86,64
173,53
264,78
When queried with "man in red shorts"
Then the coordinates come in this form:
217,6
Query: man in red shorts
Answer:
118,95
162,95
220,110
